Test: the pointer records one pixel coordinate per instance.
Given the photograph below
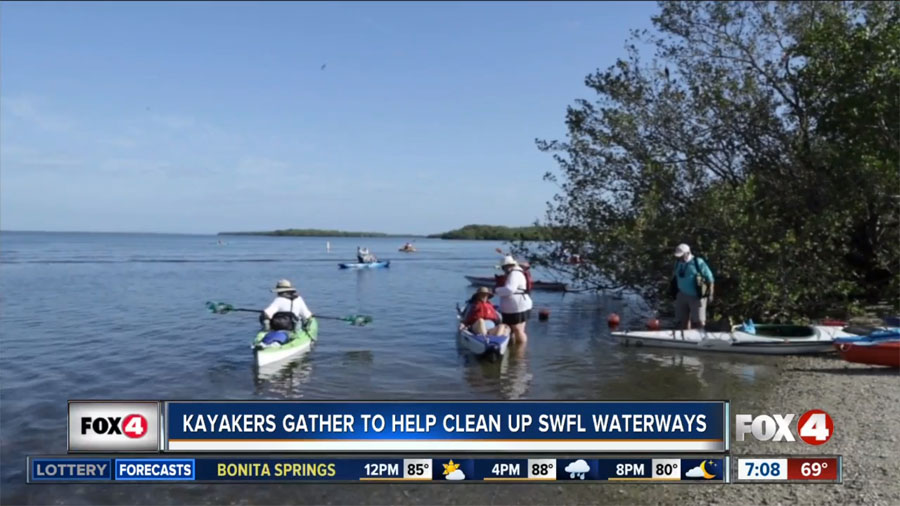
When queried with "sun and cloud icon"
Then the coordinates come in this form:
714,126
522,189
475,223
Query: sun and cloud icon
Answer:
453,472
578,469
706,470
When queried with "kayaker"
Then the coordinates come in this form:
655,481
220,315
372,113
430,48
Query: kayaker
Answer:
364,256
480,317
286,310
515,298
693,283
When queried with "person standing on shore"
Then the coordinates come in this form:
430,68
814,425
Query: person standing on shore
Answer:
515,299
693,282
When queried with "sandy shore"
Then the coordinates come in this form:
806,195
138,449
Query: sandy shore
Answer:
864,403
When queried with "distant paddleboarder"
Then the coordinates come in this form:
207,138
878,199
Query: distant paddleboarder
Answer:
327,246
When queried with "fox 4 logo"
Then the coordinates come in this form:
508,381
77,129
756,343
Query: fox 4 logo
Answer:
133,426
814,427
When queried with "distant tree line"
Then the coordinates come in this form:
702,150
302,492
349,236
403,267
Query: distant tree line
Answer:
496,233
313,232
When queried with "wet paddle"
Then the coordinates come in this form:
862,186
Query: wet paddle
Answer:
357,320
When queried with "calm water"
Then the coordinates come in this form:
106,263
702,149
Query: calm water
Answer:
121,316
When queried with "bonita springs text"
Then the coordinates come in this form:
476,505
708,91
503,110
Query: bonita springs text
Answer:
452,423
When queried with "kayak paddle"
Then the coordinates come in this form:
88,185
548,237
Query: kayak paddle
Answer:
357,320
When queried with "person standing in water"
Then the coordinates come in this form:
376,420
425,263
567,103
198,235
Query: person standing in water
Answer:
693,283
515,299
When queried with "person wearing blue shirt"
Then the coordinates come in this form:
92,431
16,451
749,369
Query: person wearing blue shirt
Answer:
690,304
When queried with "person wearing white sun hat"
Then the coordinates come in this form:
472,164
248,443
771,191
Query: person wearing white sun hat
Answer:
692,282
286,310
515,298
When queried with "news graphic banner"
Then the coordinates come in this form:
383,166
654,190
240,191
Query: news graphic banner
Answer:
388,426
234,469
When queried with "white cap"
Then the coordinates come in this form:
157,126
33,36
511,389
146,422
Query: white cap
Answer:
508,260
681,250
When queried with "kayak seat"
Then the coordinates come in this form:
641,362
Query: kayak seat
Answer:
784,331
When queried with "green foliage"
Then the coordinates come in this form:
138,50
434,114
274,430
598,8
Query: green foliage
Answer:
496,233
765,135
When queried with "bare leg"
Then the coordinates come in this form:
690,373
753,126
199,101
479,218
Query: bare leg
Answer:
499,330
518,331
479,327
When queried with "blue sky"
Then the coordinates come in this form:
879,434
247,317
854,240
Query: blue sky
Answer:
203,117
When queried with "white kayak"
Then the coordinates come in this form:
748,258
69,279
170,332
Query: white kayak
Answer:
815,340
299,341
483,345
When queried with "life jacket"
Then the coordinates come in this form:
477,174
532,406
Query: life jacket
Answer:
529,283
481,311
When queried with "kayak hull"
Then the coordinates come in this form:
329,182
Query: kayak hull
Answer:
483,345
542,286
881,347
369,265
885,353
300,342
727,342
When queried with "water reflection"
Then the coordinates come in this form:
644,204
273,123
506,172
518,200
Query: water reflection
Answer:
506,378
283,380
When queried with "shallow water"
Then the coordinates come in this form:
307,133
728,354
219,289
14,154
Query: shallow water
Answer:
121,316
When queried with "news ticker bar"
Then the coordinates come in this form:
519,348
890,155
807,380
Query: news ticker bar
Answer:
231,469
398,426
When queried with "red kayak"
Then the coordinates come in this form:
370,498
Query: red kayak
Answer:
876,353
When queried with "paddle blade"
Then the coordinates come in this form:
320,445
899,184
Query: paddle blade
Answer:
219,307
359,320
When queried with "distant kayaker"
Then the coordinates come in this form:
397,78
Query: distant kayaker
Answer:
693,283
480,317
364,256
286,310
515,298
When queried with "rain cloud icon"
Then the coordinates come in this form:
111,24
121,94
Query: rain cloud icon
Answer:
577,468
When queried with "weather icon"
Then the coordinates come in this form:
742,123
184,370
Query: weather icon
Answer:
453,472
577,469
706,470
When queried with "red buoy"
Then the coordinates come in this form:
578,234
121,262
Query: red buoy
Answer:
544,315
653,324
613,320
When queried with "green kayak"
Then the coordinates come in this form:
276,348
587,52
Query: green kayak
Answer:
299,341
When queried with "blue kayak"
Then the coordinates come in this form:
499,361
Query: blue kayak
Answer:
369,265
889,334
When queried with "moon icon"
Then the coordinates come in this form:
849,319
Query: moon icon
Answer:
705,472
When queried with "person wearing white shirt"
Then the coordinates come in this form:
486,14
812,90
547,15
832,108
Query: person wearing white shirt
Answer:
515,301
286,310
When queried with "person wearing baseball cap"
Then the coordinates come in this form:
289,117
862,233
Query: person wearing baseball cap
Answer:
692,282
286,310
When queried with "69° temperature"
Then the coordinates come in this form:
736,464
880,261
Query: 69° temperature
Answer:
813,468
